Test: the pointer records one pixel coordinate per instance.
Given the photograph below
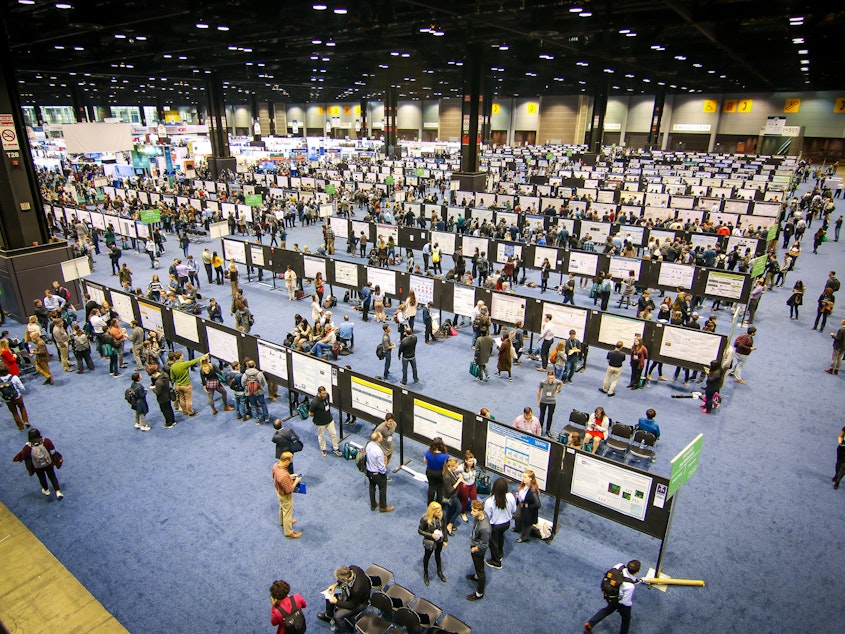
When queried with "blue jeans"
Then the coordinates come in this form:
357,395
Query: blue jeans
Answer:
320,348
610,608
560,372
386,363
451,509
240,404
569,368
405,363
256,404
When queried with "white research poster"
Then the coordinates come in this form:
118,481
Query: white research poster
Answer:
346,273
371,398
340,226
685,344
310,373
96,293
423,288
313,266
505,250
150,316
675,275
583,263
541,253
234,251
610,486
724,284
256,252
123,305
185,325
384,278
446,241
507,308
222,345
613,329
463,300
620,267
511,452
432,421
566,318
272,359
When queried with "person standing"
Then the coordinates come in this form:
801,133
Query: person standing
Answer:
285,439
255,386
211,383
62,339
180,376
838,349
42,358
623,602
290,283
136,340
386,429
796,299
434,459
283,603
408,354
479,539
545,269
528,505
547,336
547,400
377,473
434,537
40,457
504,362
387,345
743,346
615,359
483,349
826,302
527,422
639,356
568,290
573,352
754,299
428,324
320,410
206,262
285,483
161,388
366,300
136,396
500,508
839,471
12,389
217,263
715,377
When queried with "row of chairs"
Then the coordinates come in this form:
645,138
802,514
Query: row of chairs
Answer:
626,440
397,609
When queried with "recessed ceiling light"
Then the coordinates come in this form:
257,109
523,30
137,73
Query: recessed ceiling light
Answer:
119,36
63,5
797,40
222,28
680,57
319,7
316,41
546,56
406,54
585,14
504,47
26,1
141,38
330,43
575,10
201,25
804,51
805,61
805,68
340,11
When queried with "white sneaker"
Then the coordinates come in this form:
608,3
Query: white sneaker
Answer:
145,428
137,425
59,495
45,491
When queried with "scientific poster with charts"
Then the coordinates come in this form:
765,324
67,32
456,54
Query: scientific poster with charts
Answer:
469,245
583,263
613,328
370,397
742,243
566,318
675,275
123,305
663,236
541,253
256,252
610,486
272,359
310,373
423,288
507,308
598,231
97,221
445,240
340,226
150,316
358,227
143,230
222,345
463,300
313,266
234,251
431,421
387,232
511,452
96,292
685,344
507,250
385,278
346,274
723,284
185,326
619,267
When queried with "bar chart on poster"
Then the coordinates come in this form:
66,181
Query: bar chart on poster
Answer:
566,318
370,397
185,326
272,359
511,452
234,250
346,273
222,345
150,316
310,373
610,486
507,308
432,420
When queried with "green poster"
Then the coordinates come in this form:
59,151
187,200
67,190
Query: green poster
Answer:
420,172
330,189
550,156
389,180
685,464
773,233
150,216
758,266
254,200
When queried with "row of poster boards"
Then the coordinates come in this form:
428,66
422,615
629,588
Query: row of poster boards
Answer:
619,492
672,344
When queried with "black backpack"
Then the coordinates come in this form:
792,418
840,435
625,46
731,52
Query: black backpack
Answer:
8,391
380,351
294,621
611,584
131,396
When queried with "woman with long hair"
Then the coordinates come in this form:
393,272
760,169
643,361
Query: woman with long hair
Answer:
435,458
528,505
597,427
434,534
500,508
796,299
467,491
378,305
411,309
211,383
450,502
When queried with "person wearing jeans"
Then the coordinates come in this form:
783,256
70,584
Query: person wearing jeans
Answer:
377,473
479,540
547,399
573,356
838,349
547,335
500,508
387,345
15,405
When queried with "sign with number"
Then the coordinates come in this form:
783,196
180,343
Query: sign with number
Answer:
792,105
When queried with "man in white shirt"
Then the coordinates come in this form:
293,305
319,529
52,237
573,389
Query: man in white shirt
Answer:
527,422
623,603
52,302
547,336
377,473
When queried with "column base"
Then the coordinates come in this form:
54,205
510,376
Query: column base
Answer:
217,164
471,181
26,273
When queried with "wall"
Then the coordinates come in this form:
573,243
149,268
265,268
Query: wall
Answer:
558,119
450,120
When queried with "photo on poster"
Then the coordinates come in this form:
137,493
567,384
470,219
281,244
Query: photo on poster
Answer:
611,486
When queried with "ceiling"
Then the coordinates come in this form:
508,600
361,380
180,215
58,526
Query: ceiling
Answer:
141,52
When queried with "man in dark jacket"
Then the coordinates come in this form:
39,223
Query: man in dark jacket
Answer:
408,354
350,596
161,388
285,440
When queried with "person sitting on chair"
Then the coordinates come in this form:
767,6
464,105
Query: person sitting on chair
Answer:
649,424
597,427
350,595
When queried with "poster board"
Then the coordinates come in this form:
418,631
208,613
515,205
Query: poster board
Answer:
540,253
723,284
423,288
150,316
370,398
510,452
234,251
566,318
185,326
445,240
463,300
507,308
310,373
582,263
675,275
314,265
505,250
272,360
123,305
346,274
385,278
222,344
613,328
686,344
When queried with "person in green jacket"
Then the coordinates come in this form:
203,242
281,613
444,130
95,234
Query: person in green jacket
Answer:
180,377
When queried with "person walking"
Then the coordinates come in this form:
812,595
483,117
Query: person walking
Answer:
12,389
408,354
377,473
500,508
826,303
622,602
434,536
839,470
743,346
574,353
285,439
479,540
136,396
483,350
283,604
547,399
320,410
285,483
42,358
796,299
504,361
40,457
838,349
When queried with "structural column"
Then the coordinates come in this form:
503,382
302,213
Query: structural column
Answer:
595,134
271,113
472,122
391,105
220,159
364,107
656,116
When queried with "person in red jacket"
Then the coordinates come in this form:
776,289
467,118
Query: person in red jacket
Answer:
40,456
283,604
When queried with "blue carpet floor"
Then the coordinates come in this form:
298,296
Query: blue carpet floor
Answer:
177,530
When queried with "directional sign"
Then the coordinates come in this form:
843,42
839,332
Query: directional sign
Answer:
8,134
685,464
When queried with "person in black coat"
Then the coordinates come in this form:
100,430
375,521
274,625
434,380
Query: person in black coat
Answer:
528,505
433,530
350,596
284,441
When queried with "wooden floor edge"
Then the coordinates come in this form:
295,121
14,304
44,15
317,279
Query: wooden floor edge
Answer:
38,594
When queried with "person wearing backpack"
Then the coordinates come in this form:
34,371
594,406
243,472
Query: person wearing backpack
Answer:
11,389
40,456
618,590
286,612
212,382
136,396
161,388
285,439
255,385
242,411
81,349
285,483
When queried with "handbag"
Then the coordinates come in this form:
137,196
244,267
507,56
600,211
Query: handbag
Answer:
483,484
300,488
58,459
474,369
303,411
